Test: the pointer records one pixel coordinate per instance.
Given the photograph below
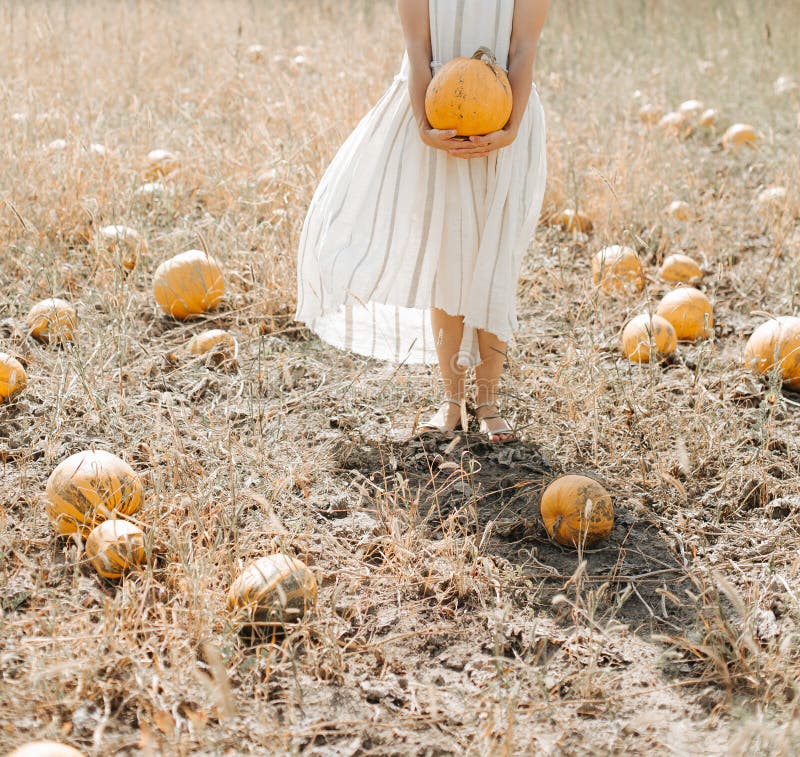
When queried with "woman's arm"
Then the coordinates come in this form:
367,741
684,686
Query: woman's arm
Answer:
417,34
529,18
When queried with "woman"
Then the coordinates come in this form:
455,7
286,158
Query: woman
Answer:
412,243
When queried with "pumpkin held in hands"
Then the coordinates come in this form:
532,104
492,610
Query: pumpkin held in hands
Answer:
776,344
87,487
470,95
114,546
12,376
52,319
188,284
577,511
645,335
273,591
689,311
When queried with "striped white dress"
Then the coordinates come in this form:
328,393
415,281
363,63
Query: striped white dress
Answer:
396,227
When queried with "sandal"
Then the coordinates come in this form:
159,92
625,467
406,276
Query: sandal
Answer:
437,422
507,431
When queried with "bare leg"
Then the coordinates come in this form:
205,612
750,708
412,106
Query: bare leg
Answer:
487,381
447,331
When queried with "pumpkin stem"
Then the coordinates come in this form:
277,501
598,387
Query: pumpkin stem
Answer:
482,52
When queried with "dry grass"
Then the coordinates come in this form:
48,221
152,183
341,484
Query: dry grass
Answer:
447,622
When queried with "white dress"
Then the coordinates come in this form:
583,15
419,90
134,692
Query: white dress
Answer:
396,227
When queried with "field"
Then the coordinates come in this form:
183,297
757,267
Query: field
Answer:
447,621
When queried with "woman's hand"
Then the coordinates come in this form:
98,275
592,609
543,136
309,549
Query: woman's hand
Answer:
479,147
441,139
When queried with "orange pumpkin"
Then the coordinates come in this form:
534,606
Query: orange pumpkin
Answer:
115,546
573,220
214,341
645,334
125,242
739,135
45,749
680,268
650,114
160,163
470,95
690,108
617,269
12,376
87,488
689,311
188,284
708,118
679,210
776,344
577,510
52,319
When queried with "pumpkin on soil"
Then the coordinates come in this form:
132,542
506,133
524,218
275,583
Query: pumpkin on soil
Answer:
88,487
776,344
188,284
646,333
214,341
689,311
52,319
739,135
577,510
273,591
45,749
680,268
573,220
115,546
617,269
125,241
470,95
12,376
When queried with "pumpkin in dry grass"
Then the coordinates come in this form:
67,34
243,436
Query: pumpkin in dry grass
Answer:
680,268
188,284
772,198
573,220
273,591
674,123
776,345
13,378
115,546
691,108
689,311
617,269
708,118
739,135
88,488
52,319
679,210
45,749
215,342
161,163
650,114
577,511
470,95
125,242
646,335
785,85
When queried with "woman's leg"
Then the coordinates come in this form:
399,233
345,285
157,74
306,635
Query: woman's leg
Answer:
487,382
447,332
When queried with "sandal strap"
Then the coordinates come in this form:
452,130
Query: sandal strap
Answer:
485,404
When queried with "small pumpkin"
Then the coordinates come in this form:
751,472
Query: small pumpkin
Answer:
577,511
679,210
188,284
45,749
776,343
772,198
680,268
650,114
87,488
573,220
645,334
52,319
691,108
115,546
160,163
674,123
617,269
273,591
739,135
124,241
708,118
470,95
13,378
255,53
689,311
216,342
785,85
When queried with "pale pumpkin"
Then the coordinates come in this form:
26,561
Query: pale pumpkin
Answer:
577,511
13,378
680,268
679,210
88,488
214,341
273,591
125,242
689,311
470,95
617,269
573,220
739,135
775,344
645,335
650,114
52,319
188,284
115,546
45,749
160,163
